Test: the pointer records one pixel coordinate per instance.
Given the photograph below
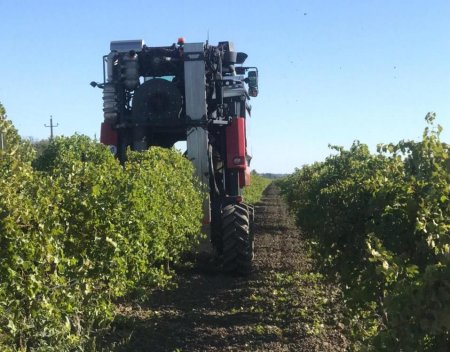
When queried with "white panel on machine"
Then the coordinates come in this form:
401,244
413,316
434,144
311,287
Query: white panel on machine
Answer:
123,46
195,95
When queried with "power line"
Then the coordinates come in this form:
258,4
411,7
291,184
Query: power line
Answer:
51,126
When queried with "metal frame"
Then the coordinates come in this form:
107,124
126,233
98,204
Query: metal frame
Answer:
195,100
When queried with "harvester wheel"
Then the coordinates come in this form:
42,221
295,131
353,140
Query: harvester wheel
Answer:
237,239
250,212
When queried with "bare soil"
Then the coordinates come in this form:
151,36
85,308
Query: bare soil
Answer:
281,306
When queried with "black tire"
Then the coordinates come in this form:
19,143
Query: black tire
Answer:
250,211
216,230
237,240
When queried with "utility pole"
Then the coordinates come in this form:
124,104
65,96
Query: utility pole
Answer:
51,126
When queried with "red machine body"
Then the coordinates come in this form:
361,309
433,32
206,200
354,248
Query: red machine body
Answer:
237,150
108,136
245,178
236,144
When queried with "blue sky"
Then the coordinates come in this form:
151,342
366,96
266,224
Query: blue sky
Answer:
330,71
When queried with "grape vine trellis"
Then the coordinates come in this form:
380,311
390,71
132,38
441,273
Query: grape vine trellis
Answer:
78,230
381,224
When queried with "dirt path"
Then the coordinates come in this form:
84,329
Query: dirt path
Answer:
281,306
